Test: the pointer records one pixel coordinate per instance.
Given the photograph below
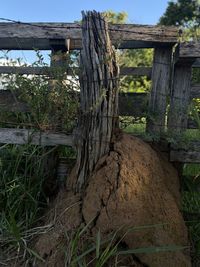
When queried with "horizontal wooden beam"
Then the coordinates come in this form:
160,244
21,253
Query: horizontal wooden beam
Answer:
195,91
29,136
192,124
185,156
50,71
10,102
133,104
196,63
45,36
130,104
189,50
188,152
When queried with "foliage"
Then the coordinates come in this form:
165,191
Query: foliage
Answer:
99,252
185,13
196,75
113,17
131,58
191,202
181,13
52,101
21,195
136,58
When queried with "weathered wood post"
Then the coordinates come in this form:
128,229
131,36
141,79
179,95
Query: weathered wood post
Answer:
99,98
179,103
161,72
51,165
180,97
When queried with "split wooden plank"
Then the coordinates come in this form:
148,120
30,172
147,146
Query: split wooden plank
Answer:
28,36
30,136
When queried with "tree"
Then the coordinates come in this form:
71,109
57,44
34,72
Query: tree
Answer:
181,13
113,17
131,58
185,13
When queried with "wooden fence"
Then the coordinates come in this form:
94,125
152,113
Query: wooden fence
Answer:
170,75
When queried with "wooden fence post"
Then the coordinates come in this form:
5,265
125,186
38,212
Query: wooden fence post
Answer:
161,72
180,97
99,99
52,158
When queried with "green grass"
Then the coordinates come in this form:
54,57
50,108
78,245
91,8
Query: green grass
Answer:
136,129
192,170
139,129
100,252
22,200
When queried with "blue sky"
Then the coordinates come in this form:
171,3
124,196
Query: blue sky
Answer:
139,11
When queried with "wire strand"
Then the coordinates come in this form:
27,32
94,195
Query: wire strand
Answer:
80,27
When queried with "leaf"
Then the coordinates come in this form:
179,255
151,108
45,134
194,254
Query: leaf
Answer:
35,254
98,243
151,250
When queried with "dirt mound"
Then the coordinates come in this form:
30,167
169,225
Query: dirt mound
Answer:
64,219
132,186
135,186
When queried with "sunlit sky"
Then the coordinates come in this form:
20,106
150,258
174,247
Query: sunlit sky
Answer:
139,11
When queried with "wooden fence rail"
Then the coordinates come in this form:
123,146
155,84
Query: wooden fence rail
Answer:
130,104
25,136
50,71
27,36
170,75
30,136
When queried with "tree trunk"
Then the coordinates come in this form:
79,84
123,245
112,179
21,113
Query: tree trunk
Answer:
99,98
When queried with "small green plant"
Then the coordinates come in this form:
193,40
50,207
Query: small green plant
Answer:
22,200
52,101
191,203
99,252
51,98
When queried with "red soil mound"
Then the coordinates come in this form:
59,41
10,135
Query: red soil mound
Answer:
135,186
132,186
